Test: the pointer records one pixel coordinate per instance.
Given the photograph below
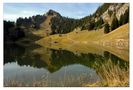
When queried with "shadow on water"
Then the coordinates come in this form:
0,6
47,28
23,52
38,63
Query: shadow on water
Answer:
22,55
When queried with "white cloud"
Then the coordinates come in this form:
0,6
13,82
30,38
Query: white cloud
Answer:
11,17
28,12
14,16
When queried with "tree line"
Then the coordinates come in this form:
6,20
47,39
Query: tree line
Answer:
12,33
31,22
62,25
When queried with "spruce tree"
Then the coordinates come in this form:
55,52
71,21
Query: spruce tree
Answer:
121,20
126,16
114,23
106,28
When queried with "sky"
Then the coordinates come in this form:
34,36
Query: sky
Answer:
12,11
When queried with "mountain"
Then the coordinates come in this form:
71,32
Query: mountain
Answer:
57,24
105,14
91,30
45,26
52,13
52,22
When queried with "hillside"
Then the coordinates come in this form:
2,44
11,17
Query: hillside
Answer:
45,29
82,41
57,24
85,36
118,37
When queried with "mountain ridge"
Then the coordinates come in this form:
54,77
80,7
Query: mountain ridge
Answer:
104,14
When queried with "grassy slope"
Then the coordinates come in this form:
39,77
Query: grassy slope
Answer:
71,38
45,28
88,36
118,37
82,41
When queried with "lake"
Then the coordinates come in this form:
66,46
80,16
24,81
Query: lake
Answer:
39,66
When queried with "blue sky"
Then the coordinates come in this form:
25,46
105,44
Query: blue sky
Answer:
73,10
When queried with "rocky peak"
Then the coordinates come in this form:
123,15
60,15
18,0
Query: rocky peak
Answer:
52,13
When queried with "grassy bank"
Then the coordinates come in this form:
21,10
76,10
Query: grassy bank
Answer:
112,76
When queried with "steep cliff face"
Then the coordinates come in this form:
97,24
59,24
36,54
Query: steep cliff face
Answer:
117,9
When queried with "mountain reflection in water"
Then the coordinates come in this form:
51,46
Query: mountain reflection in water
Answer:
56,60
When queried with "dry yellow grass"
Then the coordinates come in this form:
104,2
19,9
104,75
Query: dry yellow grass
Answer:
14,83
86,37
74,37
112,75
45,28
79,41
118,38
120,33
116,41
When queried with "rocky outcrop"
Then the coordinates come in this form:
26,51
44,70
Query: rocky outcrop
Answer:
118,9
52,13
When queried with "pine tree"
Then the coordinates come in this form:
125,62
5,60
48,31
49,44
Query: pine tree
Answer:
121,20
114,23
99,23
126,16
106,28
110,13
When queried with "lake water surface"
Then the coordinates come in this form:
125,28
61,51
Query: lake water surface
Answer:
55,67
